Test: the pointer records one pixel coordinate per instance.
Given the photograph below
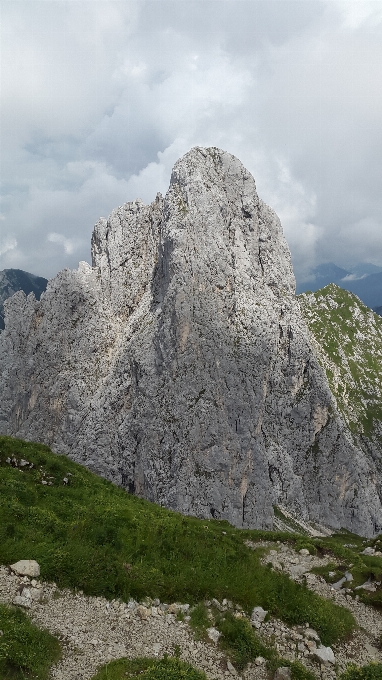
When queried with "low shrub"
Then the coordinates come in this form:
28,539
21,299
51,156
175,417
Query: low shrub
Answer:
149,669
373,671
240,642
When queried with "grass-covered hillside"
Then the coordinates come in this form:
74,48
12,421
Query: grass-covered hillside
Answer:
349,343
88,534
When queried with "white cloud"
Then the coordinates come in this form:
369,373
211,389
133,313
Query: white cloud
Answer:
357,13
70,245
101,98
6,244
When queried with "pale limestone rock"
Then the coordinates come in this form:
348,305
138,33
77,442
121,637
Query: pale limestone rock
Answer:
282,673
179,365
257,617
29,568
325,655
213,634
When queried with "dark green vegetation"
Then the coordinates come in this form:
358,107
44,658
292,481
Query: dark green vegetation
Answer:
363,569
373,671
242,645
238,641
89,534
349,336
149,669
26,652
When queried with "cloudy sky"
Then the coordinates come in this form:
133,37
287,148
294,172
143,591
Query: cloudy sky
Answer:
99,99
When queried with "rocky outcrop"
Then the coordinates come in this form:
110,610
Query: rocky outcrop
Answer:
12,280
180,367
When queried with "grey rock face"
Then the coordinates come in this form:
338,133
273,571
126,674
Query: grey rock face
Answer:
12,280
180,367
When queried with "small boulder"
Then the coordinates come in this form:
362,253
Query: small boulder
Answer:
368,551
231,668
21,601
213,634
259,661
143,612
311,634
325,655
215,603
257,617
282,673
26,568
304,552
369,585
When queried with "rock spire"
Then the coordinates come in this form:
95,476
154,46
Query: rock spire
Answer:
179,365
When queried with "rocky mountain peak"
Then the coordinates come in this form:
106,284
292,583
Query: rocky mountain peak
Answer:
179,364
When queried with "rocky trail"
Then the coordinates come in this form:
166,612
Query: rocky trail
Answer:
94,631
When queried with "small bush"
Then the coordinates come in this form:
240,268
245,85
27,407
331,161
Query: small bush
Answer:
149,669
373,671
25,650
240,642
199,620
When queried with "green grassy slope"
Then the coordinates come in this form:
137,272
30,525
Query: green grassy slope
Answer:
91,535
349,343
26,652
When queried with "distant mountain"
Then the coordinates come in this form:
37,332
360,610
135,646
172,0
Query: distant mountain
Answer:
12,280
368,289
364,279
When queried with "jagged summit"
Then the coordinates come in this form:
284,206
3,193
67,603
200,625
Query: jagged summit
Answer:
180,367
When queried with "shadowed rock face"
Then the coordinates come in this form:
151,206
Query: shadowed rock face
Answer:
180,367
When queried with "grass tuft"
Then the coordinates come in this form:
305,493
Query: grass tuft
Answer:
149,669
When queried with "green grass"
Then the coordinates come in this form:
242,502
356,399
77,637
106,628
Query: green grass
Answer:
149,669
26,652
350,338
242,645
373,671
363,567
93,536
240,642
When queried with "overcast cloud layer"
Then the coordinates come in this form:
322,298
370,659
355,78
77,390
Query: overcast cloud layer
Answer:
100,98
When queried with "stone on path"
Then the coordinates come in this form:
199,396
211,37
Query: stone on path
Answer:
325,655
26,568
257,617
213,634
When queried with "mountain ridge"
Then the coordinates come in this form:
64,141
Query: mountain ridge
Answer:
180,367
13,280
364,280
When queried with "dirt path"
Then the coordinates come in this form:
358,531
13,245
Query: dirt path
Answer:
94,631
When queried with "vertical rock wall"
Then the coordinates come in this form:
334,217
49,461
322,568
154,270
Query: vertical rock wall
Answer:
179,364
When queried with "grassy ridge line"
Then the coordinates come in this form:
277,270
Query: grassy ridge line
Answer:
349,336
91,535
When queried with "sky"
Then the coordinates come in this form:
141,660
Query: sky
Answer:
101,97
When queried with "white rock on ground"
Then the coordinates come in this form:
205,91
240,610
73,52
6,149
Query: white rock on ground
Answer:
26,568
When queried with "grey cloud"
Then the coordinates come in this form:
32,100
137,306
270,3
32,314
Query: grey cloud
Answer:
101,98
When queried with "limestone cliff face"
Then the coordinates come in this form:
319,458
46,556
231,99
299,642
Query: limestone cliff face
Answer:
180,367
